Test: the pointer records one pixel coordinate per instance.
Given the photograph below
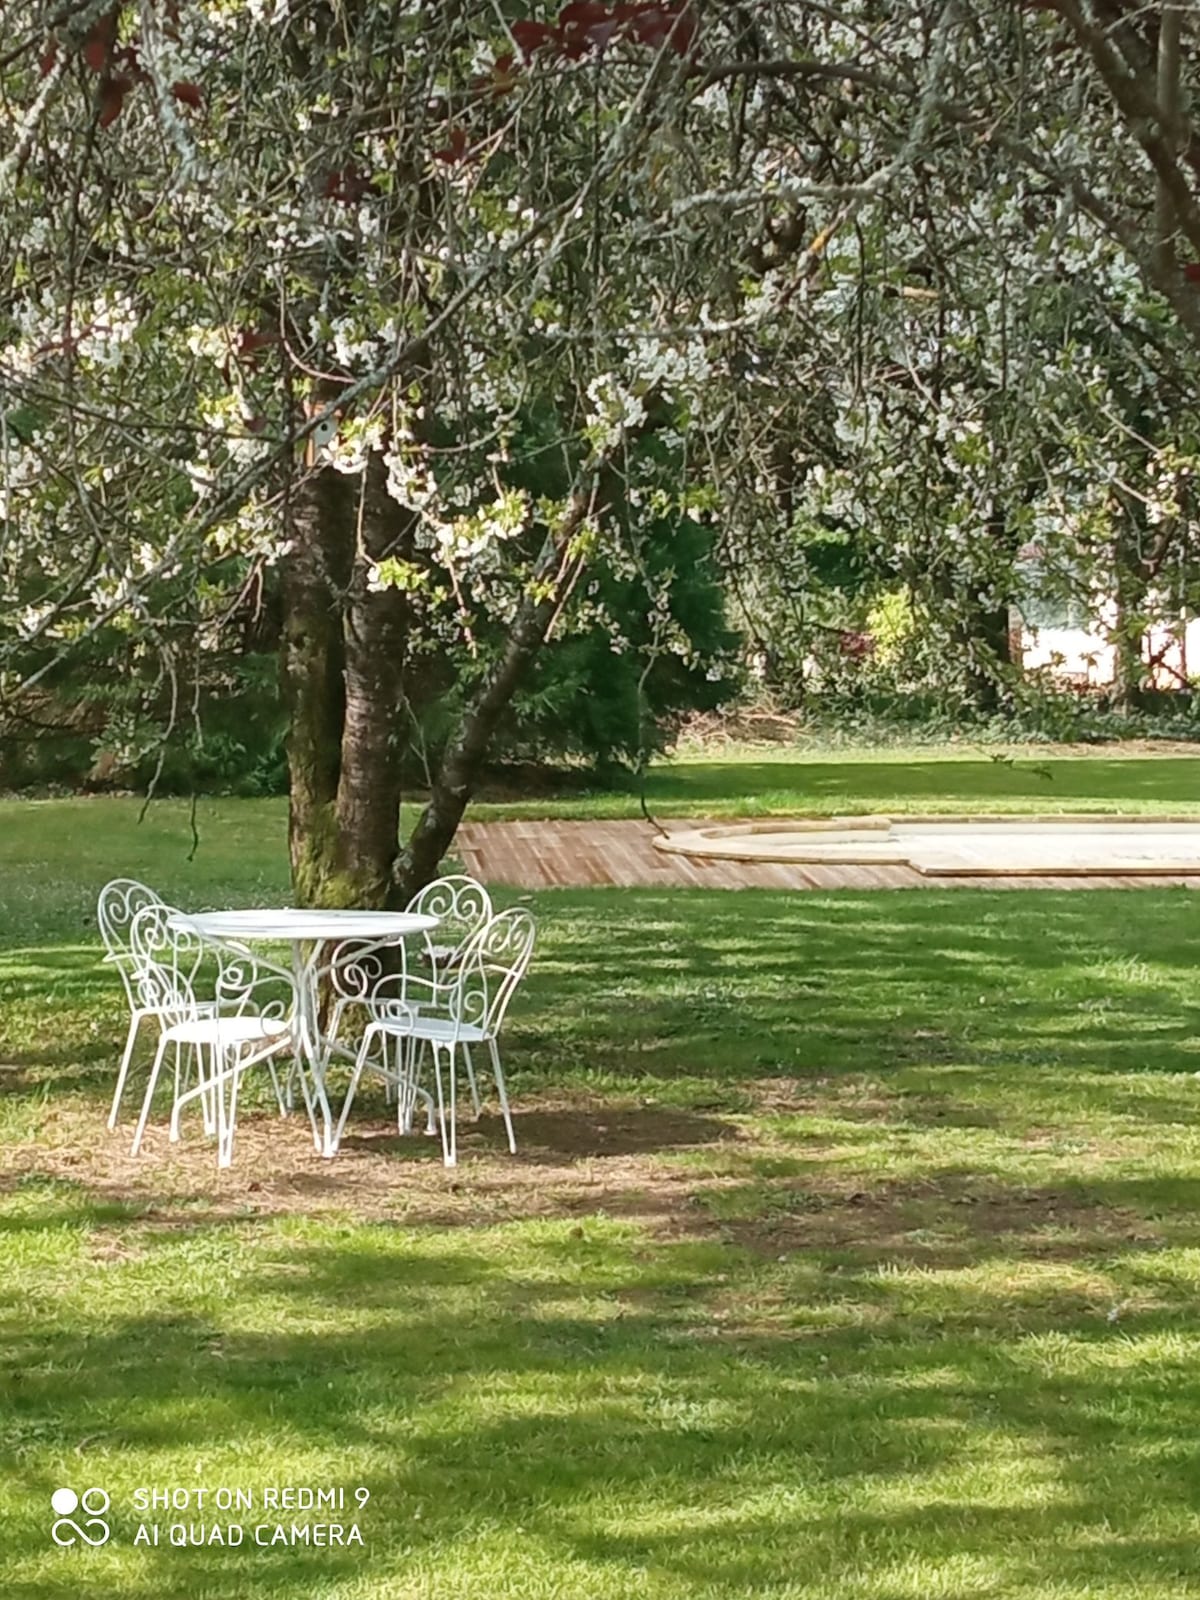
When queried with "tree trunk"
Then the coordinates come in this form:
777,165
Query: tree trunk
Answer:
344,646
1129,628
987,650
343,658
465,755
319,522
374,637
982,631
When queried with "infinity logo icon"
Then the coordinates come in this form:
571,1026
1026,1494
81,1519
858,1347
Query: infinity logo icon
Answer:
94,1502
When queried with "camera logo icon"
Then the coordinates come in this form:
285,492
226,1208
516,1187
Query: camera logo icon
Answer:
94,1502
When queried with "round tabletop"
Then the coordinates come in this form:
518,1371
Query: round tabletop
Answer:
294,923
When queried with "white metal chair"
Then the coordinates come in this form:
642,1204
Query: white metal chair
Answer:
239,1030
355,968
462,907
468,1009
118,905
356,971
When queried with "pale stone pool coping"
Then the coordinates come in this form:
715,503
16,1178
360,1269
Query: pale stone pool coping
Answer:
734,841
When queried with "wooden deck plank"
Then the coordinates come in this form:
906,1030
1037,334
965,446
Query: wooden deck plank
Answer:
568,854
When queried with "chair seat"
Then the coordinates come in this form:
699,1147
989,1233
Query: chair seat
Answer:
225,1030
443,955
205,1008
439,1030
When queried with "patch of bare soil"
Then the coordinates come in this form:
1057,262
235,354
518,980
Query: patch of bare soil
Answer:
715,730
945,1223
825,1097
1115,748
577,1157
573,1155
746,725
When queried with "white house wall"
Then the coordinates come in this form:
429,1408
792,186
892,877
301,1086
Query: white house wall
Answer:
1084,656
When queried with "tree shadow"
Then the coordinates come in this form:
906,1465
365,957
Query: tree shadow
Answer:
950,1375
627,1412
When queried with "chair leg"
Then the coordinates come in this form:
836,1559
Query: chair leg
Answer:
149,1097
415,1050
333,1027
402,1077
175,1106
219,1077
449,1144
201,1092
405,1084
135,1023
423,1095
208,1106
352,1087
277,1086
392,1086
176,1109
225,1154
300,1075
192,1063
470,1066
295,1070
494,1051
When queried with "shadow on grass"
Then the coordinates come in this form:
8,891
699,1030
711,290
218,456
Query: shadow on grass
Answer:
555,1136
726,986
596,1408
782,1369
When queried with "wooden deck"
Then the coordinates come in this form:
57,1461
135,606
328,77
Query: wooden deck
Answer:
578,855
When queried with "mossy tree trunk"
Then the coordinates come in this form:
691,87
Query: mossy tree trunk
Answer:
314,572
375,625
344,648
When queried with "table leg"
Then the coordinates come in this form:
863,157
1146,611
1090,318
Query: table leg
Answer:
308,1043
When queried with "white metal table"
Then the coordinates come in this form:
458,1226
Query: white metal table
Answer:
308,932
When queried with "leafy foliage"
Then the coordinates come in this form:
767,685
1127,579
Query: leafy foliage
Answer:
882,278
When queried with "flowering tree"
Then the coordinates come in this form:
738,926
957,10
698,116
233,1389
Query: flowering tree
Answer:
1001,367
394,298
432,309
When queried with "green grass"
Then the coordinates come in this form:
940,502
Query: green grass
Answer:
239,850
852,1253
755,782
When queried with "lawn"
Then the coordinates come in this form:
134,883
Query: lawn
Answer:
852,1253
764,782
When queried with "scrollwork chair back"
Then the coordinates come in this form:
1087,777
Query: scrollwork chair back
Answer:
119,903
463,907
491,966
